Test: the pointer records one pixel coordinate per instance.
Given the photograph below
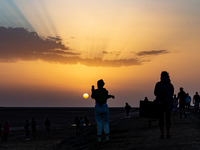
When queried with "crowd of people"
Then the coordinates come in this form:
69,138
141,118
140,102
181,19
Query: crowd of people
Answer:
184,101
166,101
29,127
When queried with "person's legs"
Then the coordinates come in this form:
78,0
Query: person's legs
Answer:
180,112
161,123
106,120
168,121
98,118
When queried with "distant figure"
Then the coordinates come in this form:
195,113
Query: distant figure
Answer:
127,108
196,100
101,109
187,103
78,123
27,129
81,123
47,124
164,92
175,101
181,97
6,127
33,128
146,99
86,122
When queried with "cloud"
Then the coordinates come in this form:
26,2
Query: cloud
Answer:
112,53
152,52
19,44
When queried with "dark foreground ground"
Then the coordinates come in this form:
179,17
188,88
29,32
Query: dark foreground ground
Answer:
125,133
134,134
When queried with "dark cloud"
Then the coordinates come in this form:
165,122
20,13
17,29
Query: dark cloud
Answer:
112,53
19,44
105,52
152,52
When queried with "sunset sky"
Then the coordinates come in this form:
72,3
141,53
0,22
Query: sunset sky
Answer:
52,52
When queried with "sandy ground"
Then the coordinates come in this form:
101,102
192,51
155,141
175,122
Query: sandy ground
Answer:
61,118
125,133
134,134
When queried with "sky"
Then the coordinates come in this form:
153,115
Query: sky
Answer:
52,52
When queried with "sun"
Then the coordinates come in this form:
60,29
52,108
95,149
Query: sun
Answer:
85,95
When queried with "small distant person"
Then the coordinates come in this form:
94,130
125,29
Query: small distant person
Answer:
175,102
187,103
78,123
127,108
81,123
101,109
164,92
27,130
33,128
86,122
47,124
181,97
196,100
6,127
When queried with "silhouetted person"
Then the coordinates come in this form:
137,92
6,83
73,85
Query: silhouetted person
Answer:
6,127
33,128
164,92
175,101
181,97
27,129
78,123
47,124
187,103
101,109
127,108
81,123
86,122
196,100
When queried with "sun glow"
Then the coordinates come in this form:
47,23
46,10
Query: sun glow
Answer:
85,95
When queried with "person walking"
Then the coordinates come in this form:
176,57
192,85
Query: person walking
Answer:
47,124
182,97
101,109
187,104
33,127
164,92
127,108
196,100
81,123
175,102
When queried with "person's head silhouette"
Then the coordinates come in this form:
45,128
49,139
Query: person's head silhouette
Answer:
100,84
165,74
181,89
